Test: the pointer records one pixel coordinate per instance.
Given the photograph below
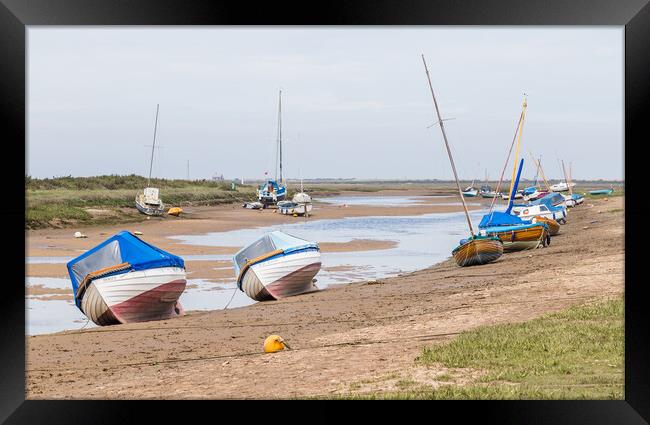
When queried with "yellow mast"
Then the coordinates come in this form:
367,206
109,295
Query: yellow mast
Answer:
521,129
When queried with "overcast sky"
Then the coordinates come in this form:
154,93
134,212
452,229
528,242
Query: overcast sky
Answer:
355,100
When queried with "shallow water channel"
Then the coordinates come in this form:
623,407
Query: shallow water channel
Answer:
421,241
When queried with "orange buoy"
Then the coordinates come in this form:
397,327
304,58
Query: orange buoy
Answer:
274,343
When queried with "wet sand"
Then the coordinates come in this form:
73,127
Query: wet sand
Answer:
366,331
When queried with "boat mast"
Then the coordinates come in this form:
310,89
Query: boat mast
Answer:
566,180
444,135
521,130
521,116
279,137
153,146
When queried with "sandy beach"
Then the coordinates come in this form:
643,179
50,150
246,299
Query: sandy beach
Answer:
365,332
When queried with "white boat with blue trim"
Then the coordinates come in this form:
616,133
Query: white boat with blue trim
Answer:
276,266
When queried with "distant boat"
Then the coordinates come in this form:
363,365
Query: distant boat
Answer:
126,280
273,191
601,191
301,204
470,192
561,187
148,201
277,265
487,192
292,207
477,249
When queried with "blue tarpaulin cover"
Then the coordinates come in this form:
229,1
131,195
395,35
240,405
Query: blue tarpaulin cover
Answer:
123,247
497,218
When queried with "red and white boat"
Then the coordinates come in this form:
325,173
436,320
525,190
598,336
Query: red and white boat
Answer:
126,280
277,266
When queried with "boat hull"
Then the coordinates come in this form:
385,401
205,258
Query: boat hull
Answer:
601,192
522,239
553,226
137,296
148,209
477,252
283,276
300,209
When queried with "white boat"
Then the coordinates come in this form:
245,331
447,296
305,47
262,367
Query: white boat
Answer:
148,201
470,192
561,187
253,205
291,208
277,265
126,280
528,212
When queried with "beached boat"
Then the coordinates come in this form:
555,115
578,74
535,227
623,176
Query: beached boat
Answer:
475,250
487,192
553,226
148,201
479,250
527,212
277,265
301,204
274,190
252,205
561,187
470,191
126,280
601,191
515,234
291,208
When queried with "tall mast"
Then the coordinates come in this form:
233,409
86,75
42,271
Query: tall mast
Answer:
521,130
566,180
279,136
514,137
444,135
153,146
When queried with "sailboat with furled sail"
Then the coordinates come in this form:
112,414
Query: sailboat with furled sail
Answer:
148,201
273,191
476,249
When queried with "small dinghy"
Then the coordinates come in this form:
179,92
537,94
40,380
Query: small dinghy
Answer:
477,250
126,280
277,265
602,192
253,205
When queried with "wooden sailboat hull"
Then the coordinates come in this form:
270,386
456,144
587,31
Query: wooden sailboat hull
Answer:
478,251
553,226
522,239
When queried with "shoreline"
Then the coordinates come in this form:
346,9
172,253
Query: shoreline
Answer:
340,335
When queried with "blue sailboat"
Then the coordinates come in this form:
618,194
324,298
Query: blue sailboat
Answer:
273,191
515,233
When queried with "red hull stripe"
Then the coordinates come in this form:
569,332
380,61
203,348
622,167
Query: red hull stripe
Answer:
155,304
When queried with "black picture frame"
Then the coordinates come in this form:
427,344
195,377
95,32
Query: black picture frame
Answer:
16,15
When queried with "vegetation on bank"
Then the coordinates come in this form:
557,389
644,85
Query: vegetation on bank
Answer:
577,353
66,201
